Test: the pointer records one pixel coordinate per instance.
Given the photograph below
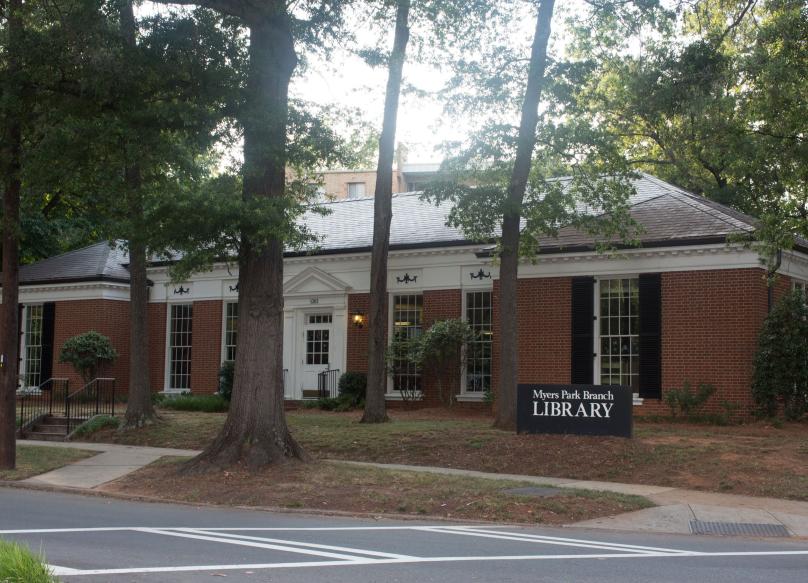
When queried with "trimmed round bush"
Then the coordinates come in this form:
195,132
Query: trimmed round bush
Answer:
88,353
353,385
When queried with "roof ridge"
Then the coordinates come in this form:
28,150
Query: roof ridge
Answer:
360,199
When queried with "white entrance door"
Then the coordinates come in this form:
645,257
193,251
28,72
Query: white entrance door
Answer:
316,351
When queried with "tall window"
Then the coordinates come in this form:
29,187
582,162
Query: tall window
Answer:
479,312
179,346
33,346
619,332
230,326
408,321
356,189
801,286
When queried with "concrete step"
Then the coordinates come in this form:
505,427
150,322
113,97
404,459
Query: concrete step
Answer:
45,436
51,429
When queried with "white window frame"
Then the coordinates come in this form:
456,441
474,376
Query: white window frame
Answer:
167,369
392,392
466,395
800,284
23,380
364,190
596,348
223,352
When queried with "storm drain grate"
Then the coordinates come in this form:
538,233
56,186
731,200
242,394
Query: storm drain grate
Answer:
737,529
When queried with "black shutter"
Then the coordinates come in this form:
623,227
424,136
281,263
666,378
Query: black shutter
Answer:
583,330
650,336
48,319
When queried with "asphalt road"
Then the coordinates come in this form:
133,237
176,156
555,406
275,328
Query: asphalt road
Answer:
103,540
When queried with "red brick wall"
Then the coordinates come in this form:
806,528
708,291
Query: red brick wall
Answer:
710,325
108,317
206,352
543,308
356,358
438,305
157,345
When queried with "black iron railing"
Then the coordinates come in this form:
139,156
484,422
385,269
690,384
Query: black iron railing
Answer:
33,403
327,382
95,398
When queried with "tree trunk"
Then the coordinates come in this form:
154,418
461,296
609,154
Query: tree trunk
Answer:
255,431
139,408
10,320
375,409
505,415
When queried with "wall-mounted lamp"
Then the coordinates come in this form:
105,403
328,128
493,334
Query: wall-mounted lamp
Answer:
358,320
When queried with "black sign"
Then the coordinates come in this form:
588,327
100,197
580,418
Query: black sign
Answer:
575,409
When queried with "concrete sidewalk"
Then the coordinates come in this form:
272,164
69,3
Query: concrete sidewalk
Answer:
676,507
111,463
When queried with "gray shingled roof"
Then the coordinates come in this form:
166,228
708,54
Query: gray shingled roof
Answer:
98,262
669,215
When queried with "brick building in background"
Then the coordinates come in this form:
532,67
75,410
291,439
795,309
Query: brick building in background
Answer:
353,184
685,306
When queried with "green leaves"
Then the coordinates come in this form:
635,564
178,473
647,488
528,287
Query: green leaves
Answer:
711,98
87,353
781,362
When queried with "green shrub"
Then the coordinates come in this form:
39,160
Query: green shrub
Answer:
95,424
226,373
442,352
687,402
88,353
201,403
337,404
353,386
781,361
20,565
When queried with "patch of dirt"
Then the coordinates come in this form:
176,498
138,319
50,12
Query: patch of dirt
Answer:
330,487
756,459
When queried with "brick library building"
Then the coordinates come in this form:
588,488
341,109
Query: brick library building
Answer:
685,306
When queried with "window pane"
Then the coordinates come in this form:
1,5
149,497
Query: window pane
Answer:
180,334
479,315
619,331
230,330
33,346
408,317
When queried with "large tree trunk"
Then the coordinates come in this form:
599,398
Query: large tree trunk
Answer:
255,431
11,164
375,410
139,408
505,416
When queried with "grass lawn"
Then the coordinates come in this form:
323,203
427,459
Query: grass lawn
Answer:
755,459
331,486
33,460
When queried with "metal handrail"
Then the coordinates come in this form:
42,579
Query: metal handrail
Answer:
95,398
327,382
38,402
